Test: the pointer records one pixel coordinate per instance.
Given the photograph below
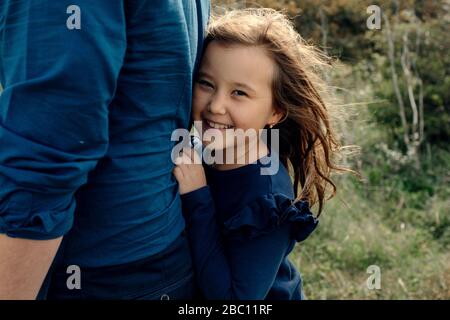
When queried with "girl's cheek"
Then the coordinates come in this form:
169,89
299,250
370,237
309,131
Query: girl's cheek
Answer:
198,102
196,110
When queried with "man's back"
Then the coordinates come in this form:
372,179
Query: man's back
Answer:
130,205
92,93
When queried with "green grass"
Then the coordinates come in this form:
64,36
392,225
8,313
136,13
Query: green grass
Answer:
397,218
402,240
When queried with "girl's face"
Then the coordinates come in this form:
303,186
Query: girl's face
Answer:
233,90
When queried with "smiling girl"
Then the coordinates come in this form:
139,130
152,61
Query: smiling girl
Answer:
256,73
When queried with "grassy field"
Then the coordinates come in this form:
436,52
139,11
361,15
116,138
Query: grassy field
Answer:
414,263
396,219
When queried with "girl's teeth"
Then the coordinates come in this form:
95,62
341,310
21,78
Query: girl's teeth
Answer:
217,126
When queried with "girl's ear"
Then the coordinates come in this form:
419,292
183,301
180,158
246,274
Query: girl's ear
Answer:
277,116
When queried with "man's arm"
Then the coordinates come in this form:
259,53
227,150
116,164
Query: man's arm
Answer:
21,275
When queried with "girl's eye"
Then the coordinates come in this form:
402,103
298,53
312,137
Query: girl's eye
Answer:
240,93
205,83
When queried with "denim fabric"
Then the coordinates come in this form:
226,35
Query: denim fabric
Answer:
86,117
166,275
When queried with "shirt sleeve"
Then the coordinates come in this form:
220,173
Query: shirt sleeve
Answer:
228,264
58,67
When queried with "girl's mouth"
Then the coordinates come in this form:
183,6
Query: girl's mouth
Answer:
215,125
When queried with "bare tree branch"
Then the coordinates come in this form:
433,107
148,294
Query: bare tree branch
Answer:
391,56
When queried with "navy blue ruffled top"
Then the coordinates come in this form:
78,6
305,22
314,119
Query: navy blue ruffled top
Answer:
242,227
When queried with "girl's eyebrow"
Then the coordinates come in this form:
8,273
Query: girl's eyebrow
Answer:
202,73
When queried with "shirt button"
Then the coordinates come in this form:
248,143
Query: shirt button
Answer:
165,297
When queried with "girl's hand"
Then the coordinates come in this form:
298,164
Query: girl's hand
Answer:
189,171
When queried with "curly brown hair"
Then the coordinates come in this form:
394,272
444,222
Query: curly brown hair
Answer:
308,143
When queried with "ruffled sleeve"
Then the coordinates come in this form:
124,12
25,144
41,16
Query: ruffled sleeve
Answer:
267,213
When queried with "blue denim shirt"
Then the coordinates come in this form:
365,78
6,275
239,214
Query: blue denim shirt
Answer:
86,117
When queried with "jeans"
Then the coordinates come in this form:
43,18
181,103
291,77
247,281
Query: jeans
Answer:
166,275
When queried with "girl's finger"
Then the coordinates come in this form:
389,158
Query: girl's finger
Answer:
178,173
178,161
183,159
190,152
186,159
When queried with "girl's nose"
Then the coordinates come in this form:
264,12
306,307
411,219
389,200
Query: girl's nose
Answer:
217,105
